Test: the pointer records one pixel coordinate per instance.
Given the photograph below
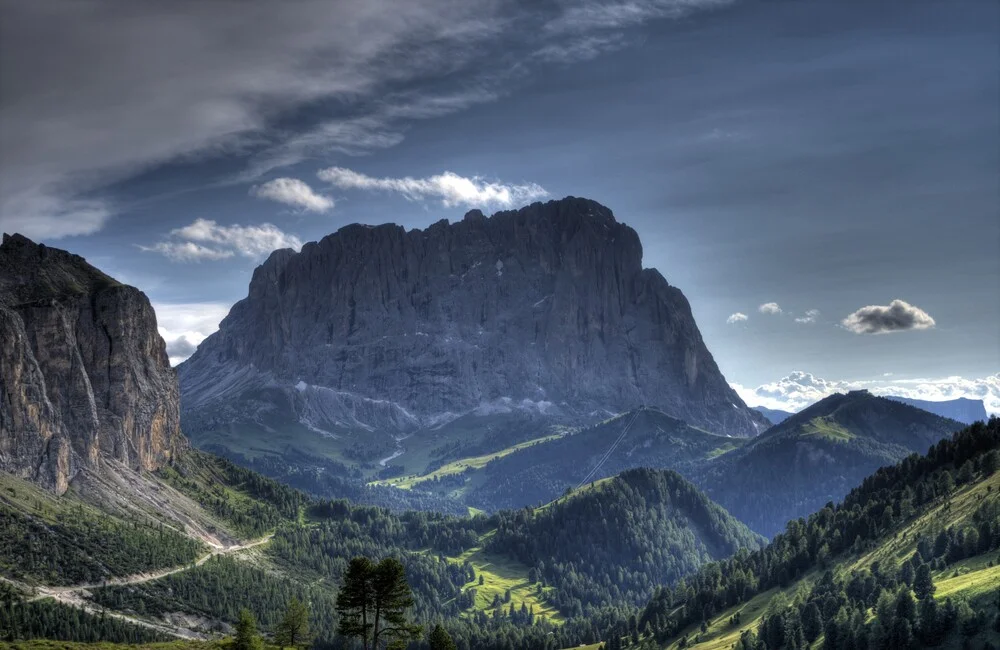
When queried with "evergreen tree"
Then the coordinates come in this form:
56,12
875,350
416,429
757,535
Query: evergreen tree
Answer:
247,637
923,584
293,630
393,597
439,639
355,602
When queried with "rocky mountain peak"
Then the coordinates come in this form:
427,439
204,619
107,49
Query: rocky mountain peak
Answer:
544,308
84,375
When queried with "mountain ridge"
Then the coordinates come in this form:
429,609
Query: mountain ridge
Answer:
546,308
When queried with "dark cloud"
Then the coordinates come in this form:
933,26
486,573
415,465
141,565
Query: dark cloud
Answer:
897,316
180,347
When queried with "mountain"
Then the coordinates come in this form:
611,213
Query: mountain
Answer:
909,559
816,456
961,409
84,375
374,333
623,538
776,416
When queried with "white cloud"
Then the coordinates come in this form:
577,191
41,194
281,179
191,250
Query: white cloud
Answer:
451,188
800,389
738,317
293,192
186,251
809,317
185,325
769,308
205,239
897,316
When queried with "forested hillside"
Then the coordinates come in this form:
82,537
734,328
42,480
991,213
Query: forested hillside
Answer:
909,559
617,540
816,456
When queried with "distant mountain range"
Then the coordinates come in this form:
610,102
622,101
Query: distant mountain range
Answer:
776,416
961,409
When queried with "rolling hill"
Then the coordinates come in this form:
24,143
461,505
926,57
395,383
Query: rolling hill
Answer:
816,456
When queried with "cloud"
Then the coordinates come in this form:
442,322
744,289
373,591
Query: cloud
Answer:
180,348
451,188
738,317
293,192
93,95
800,389
769,308
809,317
897,316
205,239
185,325
186,251
602,15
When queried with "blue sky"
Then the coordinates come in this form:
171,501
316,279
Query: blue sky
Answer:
823,156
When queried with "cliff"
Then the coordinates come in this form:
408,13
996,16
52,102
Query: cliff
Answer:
546,309
84,375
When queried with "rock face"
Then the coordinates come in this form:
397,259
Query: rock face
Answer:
546,308
84,375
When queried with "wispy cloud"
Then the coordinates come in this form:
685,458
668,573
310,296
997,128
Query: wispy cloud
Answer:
897,316
800,389
449,187
293,192
811,316
738,317
205,239
603,15
151,85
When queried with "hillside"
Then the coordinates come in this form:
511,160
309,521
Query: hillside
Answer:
540,470
908,560
617,540
248,541
816,456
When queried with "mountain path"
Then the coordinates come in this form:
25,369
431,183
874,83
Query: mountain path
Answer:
75,595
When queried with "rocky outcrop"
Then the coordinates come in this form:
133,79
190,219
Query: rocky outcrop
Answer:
84,375
545,308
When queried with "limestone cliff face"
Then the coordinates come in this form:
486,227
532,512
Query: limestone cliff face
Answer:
545,308
84,374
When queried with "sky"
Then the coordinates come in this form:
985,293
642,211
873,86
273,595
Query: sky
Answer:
821,178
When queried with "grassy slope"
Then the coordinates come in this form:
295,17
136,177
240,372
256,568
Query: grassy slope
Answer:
974,577
462,464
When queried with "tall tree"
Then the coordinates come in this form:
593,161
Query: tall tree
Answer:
356,601
293,630
373,604
247,637
392,598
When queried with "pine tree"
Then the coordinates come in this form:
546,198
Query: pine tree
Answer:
439,639
247,637
293,630
355,602
923,583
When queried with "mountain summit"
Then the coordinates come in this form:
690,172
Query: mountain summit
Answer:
546,309
84,375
